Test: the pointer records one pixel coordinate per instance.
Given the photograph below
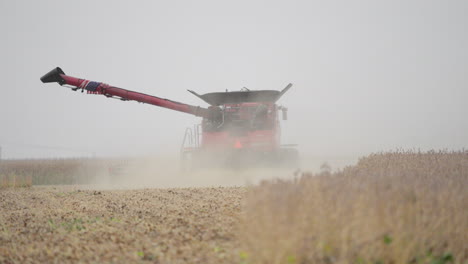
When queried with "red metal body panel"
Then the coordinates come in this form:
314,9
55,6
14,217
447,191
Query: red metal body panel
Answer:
260,140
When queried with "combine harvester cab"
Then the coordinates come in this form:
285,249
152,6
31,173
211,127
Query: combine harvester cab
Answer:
238,129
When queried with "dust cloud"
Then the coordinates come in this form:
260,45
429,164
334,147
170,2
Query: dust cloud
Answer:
167,172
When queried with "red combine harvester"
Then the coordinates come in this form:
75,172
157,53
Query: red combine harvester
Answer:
239,128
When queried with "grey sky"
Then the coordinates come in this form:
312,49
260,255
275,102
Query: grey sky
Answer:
368,75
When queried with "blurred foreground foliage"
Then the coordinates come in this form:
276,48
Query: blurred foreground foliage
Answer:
398,207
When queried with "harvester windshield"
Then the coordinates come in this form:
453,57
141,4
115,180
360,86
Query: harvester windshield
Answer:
242,118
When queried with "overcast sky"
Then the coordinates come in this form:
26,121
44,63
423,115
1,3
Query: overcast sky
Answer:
368,75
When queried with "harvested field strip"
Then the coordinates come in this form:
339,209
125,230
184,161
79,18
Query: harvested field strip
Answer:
42,224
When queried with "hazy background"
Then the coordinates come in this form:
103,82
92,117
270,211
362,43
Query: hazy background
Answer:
368,75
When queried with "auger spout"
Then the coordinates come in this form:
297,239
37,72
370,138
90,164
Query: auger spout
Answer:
57,75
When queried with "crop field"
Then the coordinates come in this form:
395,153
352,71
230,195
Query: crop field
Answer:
17,173
398,207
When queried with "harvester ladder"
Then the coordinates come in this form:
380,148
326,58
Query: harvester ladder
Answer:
191,139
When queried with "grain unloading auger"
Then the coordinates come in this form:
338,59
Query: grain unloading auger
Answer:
239,128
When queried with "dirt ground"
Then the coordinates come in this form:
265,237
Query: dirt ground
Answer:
71,224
